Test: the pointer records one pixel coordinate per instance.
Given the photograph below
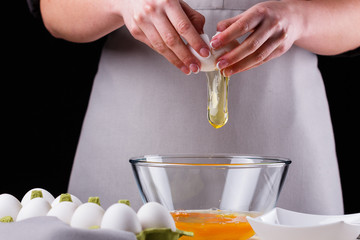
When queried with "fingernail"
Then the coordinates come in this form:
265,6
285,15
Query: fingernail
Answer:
194,68
222,64
227,72
185,70
204,52
215,43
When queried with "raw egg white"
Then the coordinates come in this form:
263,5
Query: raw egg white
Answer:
9,206
155,215
120,216
87,215
46,195
34,208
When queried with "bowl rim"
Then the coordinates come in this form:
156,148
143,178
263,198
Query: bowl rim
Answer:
269,160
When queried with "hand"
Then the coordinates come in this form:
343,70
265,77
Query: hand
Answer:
272,27
161,23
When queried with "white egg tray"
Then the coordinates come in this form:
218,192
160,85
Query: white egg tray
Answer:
151,221
282,224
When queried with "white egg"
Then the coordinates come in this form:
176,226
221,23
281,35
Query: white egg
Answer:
9,206
34,208
63,211
74,199
208,64
46,195
87,215
120,216
155,215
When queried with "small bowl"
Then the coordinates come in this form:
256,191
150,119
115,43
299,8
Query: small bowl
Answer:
282,224
215,187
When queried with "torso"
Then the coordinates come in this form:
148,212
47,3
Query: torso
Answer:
141,104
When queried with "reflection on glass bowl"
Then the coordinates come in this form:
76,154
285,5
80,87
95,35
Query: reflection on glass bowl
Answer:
212,195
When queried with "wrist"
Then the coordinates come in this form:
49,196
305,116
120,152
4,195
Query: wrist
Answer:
298,22
116,9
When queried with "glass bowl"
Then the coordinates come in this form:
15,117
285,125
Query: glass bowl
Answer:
211,195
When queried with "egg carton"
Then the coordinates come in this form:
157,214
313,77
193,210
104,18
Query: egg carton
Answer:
152,221
162,233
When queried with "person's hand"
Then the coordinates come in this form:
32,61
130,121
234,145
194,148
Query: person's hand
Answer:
161,23
272,27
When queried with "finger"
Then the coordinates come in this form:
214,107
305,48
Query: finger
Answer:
152,37
185,28
224,24
173,43
243,25
196,18
159,46
279,48
264,31
137,33
271,49
251,44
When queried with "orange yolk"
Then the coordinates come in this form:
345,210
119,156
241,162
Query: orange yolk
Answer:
213,226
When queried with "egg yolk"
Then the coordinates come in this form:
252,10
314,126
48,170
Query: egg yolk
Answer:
213,225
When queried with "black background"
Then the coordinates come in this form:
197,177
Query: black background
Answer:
46,83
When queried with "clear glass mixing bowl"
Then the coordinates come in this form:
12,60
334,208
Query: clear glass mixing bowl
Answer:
223,187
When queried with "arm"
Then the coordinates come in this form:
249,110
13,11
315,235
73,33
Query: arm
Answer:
80,21
330,26
159,24
326,27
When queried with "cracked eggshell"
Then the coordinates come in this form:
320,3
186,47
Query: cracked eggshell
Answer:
34,208
46,195
9,206
75,200
120,216
87,215
208,64
227,48
63,211
155,215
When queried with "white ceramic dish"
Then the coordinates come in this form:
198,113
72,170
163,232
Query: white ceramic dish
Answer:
281,224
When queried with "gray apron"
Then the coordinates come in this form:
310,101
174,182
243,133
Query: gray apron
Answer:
141,104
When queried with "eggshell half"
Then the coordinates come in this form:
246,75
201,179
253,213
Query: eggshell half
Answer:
209,64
